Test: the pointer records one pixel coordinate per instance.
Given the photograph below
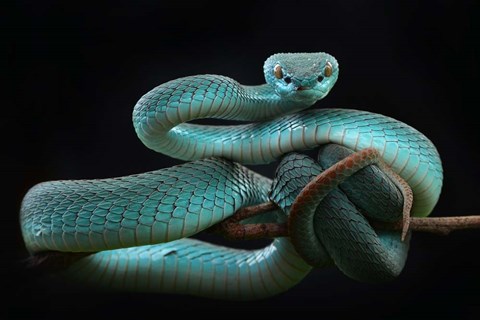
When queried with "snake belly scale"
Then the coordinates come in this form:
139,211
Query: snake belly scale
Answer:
136,226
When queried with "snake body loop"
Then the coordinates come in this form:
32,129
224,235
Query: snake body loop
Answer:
135,224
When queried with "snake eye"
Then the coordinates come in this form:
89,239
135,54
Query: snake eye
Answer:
328,69
277,70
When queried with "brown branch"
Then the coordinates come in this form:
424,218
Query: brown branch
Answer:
437,225
236,231
231,228
248,212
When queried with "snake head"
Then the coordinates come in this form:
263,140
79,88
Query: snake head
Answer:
301,77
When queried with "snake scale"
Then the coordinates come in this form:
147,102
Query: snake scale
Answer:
137,227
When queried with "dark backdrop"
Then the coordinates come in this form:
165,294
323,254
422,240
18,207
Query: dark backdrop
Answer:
72,74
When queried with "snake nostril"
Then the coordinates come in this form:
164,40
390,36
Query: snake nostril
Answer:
288,79
320,79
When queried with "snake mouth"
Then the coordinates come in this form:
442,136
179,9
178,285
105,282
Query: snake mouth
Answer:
301,88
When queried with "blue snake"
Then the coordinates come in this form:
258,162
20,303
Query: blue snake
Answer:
137,227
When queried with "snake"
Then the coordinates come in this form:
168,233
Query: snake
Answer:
136,231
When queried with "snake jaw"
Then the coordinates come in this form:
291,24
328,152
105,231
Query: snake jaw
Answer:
301,88
305,92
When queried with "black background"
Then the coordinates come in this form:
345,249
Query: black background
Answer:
73,72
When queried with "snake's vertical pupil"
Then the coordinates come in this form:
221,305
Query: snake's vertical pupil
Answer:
328,69
277,70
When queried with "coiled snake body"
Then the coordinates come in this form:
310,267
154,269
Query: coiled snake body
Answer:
135,226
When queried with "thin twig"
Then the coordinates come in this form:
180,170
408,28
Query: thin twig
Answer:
248,212
236,231
231,228
437,225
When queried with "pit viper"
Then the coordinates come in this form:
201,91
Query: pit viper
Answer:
137,227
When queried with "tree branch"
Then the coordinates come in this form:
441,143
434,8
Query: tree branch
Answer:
232,229
437,225
252,211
